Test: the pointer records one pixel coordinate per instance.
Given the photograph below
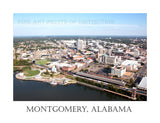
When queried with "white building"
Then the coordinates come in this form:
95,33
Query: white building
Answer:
84,44
81,44
54,69
54,63
24,54
21,74
119,71
109,51
143,84
101,50
79,65
136,53
60,65
130,64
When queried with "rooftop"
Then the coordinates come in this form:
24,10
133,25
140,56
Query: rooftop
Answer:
129,62
143,83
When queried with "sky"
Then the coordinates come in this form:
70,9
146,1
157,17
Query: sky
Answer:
45,24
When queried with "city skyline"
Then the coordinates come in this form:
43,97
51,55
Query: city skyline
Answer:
126,24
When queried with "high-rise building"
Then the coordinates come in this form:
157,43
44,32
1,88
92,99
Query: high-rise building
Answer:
136,53
81,44
101,50
109,51
84,44
102,58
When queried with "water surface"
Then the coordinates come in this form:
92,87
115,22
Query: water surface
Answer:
40,91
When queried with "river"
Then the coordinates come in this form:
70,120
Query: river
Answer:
40,91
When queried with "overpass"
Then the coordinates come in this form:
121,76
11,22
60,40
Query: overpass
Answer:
112,81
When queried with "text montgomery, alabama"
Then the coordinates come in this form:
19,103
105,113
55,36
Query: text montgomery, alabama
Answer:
78,109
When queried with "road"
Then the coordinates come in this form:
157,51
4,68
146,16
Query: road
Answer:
20,66
141,73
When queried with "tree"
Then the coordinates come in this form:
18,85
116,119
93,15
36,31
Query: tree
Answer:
16,55
110,87
142,63
47,72
86,70
115,89
102,85
93,83
115,76
108,67
21,62
131,81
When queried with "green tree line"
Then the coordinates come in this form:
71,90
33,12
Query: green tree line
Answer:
21,62
109,87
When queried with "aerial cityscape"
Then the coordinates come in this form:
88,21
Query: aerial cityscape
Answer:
80,57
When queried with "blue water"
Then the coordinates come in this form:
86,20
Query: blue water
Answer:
40,91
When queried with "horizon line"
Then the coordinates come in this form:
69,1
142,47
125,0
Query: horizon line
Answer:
79,35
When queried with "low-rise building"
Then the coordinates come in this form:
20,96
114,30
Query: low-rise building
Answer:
118,70
128,75
77,57
130,65
54,69
112,60
79,65
68,68
53,63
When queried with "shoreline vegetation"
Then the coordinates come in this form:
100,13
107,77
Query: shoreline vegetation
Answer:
28,72
77,80
110,88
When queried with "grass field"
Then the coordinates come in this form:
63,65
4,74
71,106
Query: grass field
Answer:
42,62
16,69
31,72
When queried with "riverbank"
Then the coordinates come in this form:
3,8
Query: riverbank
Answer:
61,82
46,80
41,91
102,89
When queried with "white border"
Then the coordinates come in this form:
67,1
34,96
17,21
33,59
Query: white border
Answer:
14,111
